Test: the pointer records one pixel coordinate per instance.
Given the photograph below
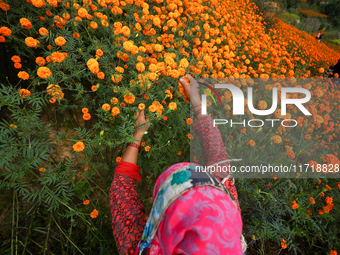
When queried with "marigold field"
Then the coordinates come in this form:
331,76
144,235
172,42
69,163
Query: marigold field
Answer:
74,72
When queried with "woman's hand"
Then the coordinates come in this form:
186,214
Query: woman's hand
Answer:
191,90
141,125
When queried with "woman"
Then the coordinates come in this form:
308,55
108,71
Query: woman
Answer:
192,213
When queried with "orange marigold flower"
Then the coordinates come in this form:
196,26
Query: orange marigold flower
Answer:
106,107
295,205
86,202
189,121
99,52
147,148
152,108
40,61
31,42
190,136
93,65
262,105
24,93
17,65
44,72
82,12
2,39
76,35
60,41
277,139
165,118
23,75
58,57
94,88
283,244
25,23
85,110
333,252
94,214
16,59
327,187
291,154
38,3
43,31
79,146
251,143
338,185
87,116
114,100
115,111
100,75
140,67
5,31
141,106
311,199
308,137
118,159
41,169
129,99
172,106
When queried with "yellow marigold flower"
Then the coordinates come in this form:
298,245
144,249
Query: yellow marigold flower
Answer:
82,12
152,108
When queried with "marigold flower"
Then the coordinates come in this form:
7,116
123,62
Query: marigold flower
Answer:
333,252
106,107
251,143
76,35
86,202
190,136
94,214
262,105
141,106
93,25
79,146
277,139
25,23
115,111
147,148
58,57
87,116
140,67
122,104
311,199
84,110
99,52
31,42
44,72
100,75
165,118
2,39
172,106
290,154
23,75
189,121
94,88
129,98
295,205
243,130
38,3
283,244
93,65
114,101
308,137
118,159
5,31
16,59
17,65
152,108
40,61
24,93
41,169
60,41
82,12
